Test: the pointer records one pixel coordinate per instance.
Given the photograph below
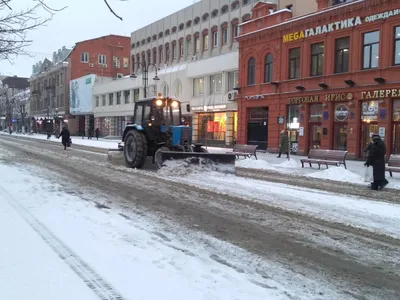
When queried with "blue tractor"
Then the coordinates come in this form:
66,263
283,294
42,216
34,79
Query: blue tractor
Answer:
157,130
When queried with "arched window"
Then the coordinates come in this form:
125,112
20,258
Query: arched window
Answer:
251,71
268,68
165,91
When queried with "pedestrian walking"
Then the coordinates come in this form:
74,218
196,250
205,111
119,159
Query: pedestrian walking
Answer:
65,137
283,144
97,132
376,159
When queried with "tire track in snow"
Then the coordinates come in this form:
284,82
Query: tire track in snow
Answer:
103,289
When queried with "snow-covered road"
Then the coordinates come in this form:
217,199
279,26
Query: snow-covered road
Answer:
158,237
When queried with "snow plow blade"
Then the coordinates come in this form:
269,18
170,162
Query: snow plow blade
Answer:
116,156
221,161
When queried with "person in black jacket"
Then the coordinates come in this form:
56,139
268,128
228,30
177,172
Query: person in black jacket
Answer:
376,159
65,137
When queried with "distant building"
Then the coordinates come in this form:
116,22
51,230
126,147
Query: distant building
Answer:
50,82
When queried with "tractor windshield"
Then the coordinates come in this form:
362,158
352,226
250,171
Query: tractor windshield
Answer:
168,111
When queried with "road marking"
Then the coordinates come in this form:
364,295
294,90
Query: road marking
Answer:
93,280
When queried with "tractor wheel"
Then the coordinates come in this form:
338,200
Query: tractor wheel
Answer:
135,149
158,158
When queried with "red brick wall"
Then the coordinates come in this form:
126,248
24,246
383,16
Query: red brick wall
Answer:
110,46
262,42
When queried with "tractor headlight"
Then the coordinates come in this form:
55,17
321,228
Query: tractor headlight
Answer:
174,104
159,102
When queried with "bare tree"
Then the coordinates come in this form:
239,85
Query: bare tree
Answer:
12,103
15,25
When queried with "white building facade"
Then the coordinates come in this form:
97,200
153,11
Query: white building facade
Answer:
197,56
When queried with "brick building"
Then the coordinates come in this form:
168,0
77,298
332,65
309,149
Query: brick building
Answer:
330,78
106,56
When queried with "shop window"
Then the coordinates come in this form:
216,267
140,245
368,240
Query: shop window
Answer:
251,71
212,127
233,80
216,83
340,128
198,86
294,63
369,111
268,68
396,127
293,125
317,59
396,46
342,55
396,110
316,113
371,50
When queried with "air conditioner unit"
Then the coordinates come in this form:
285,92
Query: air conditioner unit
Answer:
91,65
104,65
232,95
120,75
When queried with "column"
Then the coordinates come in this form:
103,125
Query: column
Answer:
230,124
195,128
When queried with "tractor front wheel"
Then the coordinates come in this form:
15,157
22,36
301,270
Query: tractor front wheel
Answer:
158,156
135,149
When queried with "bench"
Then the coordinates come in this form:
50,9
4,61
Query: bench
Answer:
244,150
393,164
325,157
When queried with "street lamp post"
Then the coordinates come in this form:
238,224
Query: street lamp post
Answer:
145,72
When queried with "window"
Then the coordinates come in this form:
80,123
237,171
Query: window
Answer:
397,46
85,57
198,86
154,56
251,71
216,83
197,44
102,59
174,51
103,100
161,56
136,95
268,68
110,99
294,63
126,62
205,41
215,39
62,100
225,35
127,93
342,55
116,61
235,30
181,48
371,50
97,101
118,98
189,47
317,59
233,80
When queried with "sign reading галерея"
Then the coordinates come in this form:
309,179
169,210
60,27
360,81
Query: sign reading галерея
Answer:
339,25
380,94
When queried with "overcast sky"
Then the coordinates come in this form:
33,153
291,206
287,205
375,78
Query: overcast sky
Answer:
82,20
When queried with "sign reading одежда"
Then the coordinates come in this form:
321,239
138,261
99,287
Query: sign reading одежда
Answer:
339,25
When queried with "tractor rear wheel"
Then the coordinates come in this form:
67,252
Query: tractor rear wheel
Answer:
135,149
158,156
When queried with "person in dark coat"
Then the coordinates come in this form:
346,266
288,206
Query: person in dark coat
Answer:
97,132
376,159
283,144
65,137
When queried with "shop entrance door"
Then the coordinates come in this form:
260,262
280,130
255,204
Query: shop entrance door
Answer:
396,138
315,135
340,136
257,127
367,131
257,134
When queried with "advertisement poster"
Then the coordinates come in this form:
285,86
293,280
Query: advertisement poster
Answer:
80,101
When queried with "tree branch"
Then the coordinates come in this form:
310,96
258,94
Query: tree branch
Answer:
109,7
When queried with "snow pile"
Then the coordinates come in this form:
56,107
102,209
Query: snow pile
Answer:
185,168
292,163
337,174
252,163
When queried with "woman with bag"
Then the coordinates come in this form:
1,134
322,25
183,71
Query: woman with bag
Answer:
66,137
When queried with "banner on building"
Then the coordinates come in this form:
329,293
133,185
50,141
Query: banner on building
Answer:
80,96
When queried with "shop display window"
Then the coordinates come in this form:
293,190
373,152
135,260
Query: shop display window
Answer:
316,113
369,111
396,110
293,125
212,126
